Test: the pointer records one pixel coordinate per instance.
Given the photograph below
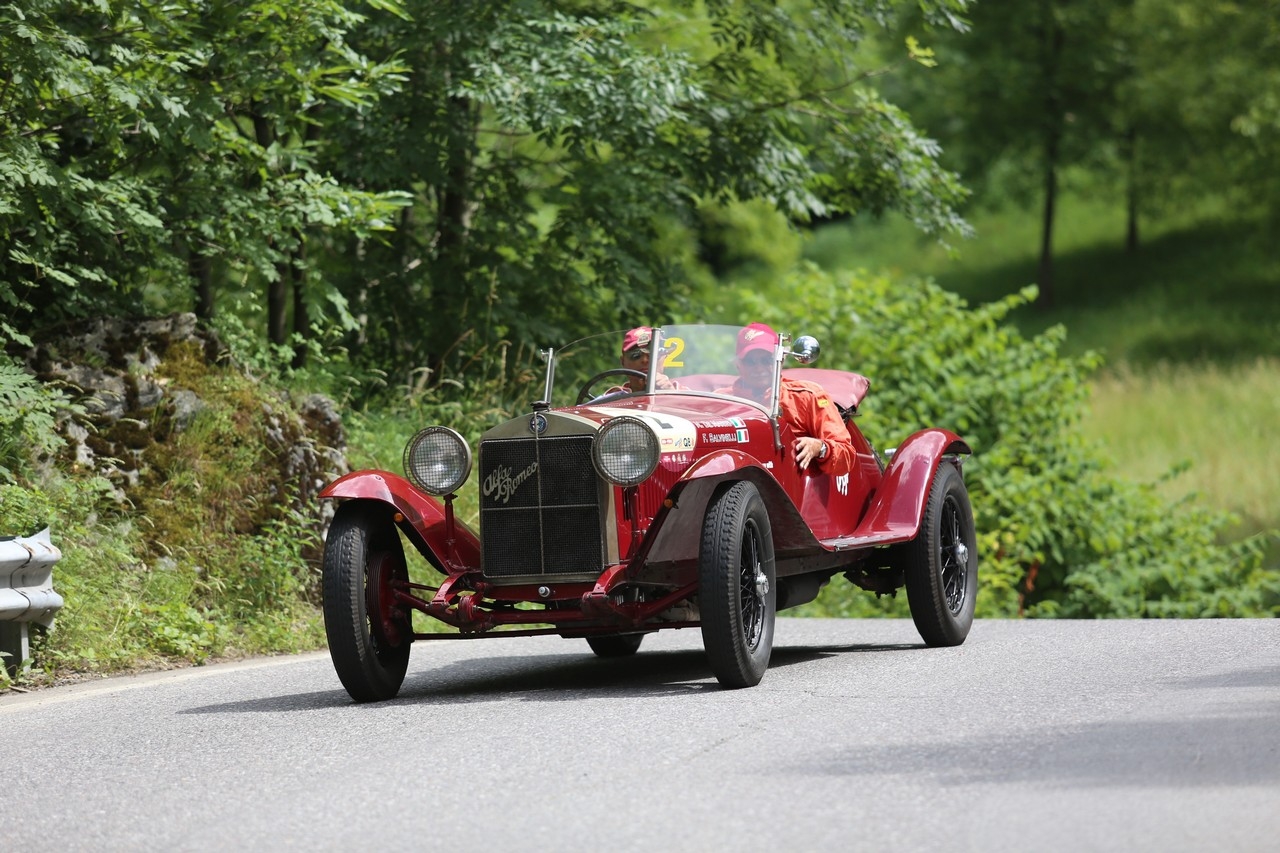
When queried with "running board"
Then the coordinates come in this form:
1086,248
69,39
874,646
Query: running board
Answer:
894,534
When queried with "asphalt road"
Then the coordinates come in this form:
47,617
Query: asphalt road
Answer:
1033,736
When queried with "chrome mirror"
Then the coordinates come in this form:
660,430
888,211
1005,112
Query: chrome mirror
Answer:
806,349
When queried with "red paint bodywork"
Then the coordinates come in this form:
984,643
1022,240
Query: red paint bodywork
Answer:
821,525
447,543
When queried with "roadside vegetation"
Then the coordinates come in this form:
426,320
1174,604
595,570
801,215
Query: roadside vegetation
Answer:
200,551
1061,534
1187,329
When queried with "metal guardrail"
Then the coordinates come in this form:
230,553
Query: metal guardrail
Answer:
26,592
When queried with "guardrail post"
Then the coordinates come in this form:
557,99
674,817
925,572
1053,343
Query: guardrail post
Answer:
26,592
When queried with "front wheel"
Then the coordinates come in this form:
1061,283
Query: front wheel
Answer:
738,589
941,564
369,633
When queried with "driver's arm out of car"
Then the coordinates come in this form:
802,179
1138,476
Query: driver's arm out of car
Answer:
811,412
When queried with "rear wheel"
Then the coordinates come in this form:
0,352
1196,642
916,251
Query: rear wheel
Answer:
616,645
738,590
369,633
941,564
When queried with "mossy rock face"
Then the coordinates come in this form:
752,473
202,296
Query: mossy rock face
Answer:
160,410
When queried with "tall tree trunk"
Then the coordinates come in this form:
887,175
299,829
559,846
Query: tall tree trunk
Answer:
1044,276
278,303
450,297
200,267
298,266
1054,39
277,290
1131,191
301,318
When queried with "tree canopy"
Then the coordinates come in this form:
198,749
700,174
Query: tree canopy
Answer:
140,142
1156,103
434,178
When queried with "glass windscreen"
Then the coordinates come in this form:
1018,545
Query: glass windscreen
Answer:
676,358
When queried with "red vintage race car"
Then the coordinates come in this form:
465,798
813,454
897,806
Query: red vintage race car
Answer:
608,513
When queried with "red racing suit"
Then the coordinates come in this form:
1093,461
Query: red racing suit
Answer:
811,412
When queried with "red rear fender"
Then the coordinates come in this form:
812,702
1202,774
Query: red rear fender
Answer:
898,508
447,543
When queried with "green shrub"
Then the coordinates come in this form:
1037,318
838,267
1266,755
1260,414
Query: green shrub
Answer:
98,577
176,629
27,412
1059,535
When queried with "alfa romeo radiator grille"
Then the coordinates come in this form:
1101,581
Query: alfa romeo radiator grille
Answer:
540,507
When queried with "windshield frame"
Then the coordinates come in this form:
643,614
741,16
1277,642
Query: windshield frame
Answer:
668,342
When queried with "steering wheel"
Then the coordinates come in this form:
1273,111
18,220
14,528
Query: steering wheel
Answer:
617,371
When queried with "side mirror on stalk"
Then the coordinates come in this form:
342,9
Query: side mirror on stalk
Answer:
806,349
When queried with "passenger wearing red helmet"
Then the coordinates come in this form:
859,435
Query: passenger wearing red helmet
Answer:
824,439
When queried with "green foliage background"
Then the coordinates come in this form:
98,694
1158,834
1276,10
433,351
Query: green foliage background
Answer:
1059,533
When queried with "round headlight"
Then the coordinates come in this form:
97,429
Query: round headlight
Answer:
437,460
625,451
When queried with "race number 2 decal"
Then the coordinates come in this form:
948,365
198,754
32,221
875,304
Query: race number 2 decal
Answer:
675,357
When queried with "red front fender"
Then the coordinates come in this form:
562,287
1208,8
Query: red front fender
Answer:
677,530
896,512
447,543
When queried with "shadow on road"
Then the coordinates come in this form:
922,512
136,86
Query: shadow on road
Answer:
547,678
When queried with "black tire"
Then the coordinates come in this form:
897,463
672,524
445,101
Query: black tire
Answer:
941,564
369,635
616,645
738,588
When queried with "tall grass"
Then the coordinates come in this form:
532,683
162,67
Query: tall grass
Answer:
1220,422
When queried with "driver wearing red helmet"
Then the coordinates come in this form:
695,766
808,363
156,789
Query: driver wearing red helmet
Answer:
824,439
637,348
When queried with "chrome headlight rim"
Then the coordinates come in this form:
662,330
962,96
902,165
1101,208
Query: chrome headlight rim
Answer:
437,476
644,454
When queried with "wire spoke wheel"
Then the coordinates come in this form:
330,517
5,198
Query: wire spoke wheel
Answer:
750,595
940,565
954,557
389,624
738,591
